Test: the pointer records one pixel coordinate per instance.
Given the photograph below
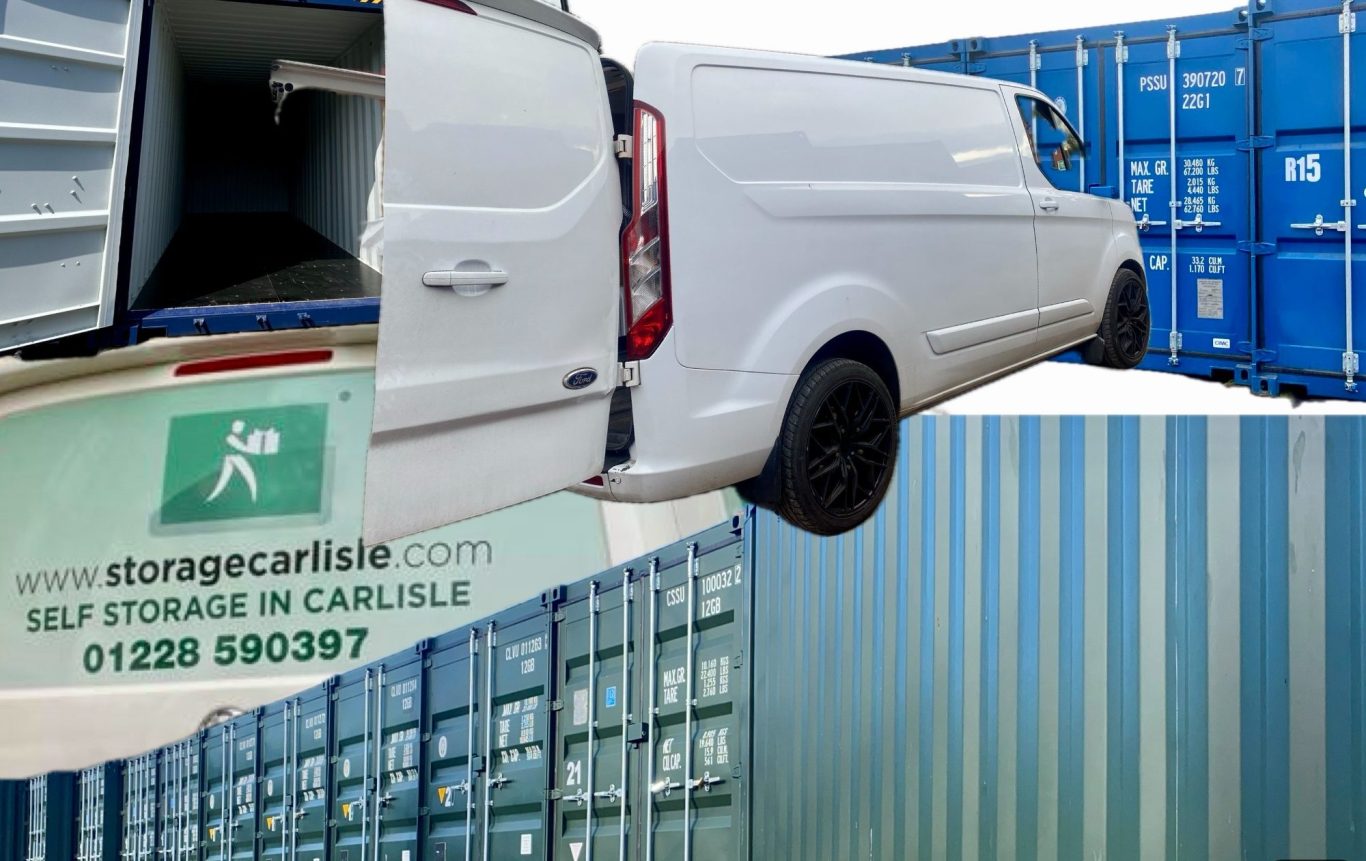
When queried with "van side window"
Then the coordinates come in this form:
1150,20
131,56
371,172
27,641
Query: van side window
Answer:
1051,136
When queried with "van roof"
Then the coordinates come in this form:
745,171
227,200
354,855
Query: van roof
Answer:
672,52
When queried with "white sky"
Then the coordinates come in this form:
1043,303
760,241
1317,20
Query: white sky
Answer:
845,26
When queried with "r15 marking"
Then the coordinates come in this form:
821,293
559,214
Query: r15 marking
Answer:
1305,168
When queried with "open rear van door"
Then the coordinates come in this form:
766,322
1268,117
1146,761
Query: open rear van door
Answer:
502,212
66,83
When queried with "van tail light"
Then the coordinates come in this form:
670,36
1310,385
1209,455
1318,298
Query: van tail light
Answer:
645,244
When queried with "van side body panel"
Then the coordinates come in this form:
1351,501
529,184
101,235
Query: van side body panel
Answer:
810,196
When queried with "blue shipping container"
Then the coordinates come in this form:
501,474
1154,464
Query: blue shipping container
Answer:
1226,134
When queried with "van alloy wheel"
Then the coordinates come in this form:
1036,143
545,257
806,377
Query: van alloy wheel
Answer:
850,448
1127,323
837,451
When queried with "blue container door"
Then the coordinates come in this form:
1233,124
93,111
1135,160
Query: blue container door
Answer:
308,778
518,691
1305,183
276,763
595,683
1185,111
398,723
454,745
1061,72
242,752
353,776
215,764
178,786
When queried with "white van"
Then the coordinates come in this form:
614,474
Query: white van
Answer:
732,267
643,287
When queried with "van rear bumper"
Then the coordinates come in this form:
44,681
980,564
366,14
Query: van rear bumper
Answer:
695,431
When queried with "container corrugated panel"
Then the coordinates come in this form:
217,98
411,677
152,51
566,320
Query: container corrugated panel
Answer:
338,189
160,192
1115,638
1238,118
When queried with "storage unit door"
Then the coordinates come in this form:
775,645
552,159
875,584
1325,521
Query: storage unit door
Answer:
398,719
178,802
242,792
140,808
517,688
1312,299
352,767
1184,112
64,105
696,630
99,813
595,792
454,760
216,762
276,763
308,778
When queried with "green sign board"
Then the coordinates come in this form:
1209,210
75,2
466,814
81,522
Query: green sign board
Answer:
212,531
245,464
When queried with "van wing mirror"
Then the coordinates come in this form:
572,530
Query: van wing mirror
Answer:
288,76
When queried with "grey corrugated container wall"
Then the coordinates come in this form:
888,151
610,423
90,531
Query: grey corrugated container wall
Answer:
1067,638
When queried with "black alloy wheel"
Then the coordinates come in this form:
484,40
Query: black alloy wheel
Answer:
838,448
1127,324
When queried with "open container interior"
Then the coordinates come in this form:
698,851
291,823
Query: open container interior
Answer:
231,207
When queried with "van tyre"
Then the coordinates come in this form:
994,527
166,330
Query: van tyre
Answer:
1127,324
837,450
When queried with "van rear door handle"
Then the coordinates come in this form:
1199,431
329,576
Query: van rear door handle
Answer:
465,282
1049,204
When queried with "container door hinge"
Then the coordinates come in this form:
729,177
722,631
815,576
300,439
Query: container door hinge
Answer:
1257,142
623,146
630,375
554,794
1257,249
556,705
975,68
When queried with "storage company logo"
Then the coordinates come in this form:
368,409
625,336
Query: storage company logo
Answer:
245,464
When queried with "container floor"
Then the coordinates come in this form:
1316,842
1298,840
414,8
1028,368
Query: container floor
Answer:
250,259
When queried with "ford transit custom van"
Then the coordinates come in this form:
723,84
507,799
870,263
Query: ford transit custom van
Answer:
720,267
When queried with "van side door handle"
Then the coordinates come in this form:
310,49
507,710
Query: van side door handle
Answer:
1049,204
466,282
